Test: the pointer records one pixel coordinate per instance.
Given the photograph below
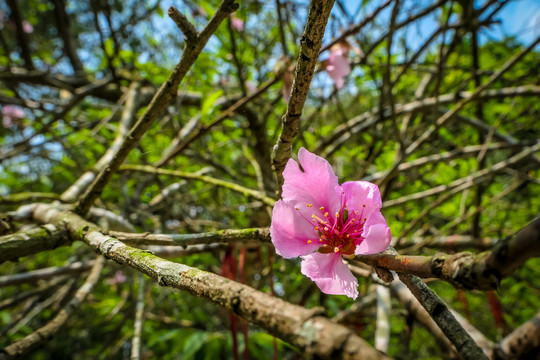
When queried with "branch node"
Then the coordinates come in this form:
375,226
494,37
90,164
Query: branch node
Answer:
190,32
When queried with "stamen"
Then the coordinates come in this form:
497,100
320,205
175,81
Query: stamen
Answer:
321,208
309,241
309,205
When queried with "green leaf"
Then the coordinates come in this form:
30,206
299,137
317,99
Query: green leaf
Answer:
209,102
194,343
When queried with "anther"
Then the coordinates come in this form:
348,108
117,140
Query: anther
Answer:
309,241
321,208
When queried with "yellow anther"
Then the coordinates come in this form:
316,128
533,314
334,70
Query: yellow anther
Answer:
347,236
356,212
337,214
316,228
321,208
326,214
309,241
336,249
321,240
297,208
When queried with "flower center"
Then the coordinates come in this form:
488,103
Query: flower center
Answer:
340,234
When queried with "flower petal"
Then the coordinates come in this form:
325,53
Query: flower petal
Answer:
360,193
376,235
315,185
338,67
290,232
330,274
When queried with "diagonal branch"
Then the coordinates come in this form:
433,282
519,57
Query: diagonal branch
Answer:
315,335
164,96
466,270
310,45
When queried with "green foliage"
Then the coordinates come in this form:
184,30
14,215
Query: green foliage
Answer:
55,143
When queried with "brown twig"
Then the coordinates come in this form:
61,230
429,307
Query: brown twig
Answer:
310,45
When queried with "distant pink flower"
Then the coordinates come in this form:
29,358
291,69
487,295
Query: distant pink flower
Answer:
320,221
10,114
337,65
237,24
27,27
118,278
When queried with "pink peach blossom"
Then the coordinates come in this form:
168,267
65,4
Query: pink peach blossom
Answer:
10,114
338,66
27,27
237,24
320,221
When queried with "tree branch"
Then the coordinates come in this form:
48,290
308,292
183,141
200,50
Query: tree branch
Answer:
310,45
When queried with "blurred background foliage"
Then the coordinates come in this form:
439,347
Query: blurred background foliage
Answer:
48,148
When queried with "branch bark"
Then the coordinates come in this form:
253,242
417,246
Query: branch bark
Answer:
315,335
310,45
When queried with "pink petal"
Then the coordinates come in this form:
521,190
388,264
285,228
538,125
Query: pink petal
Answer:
330,274
316,185
290,232
338,67
237,24
360,193
376,235
27,27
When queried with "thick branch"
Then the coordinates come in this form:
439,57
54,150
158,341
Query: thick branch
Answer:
482,271
312,334
33,241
